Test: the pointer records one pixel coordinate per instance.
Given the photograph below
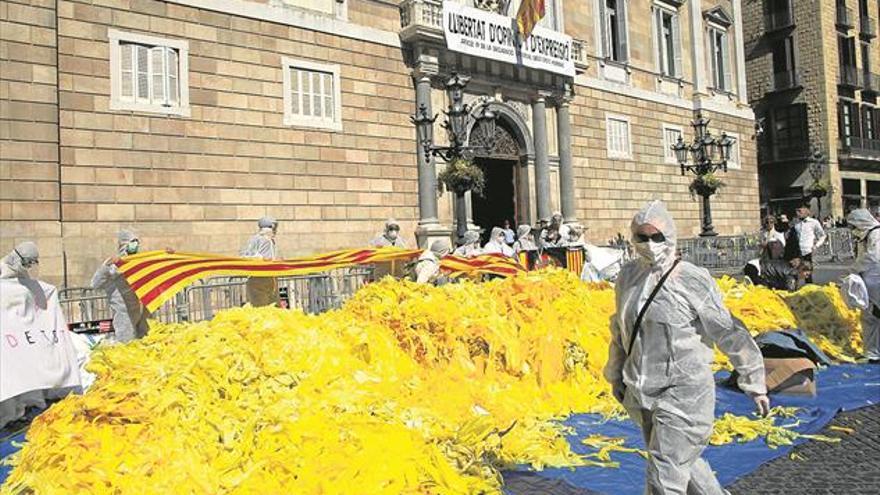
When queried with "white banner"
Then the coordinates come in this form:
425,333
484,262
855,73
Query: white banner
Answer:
484,34
36,351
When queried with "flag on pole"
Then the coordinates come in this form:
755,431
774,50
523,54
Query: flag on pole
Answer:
530,12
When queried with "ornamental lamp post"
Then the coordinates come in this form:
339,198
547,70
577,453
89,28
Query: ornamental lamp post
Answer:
455,124
817,189
709,154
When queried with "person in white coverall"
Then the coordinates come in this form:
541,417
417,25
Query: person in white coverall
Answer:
427,270
22,298
867,231
129,314
262,291
666,382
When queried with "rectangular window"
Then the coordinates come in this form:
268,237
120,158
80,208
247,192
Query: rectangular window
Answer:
720,59
671,134
847,111
311,94
668,38
788,131
145,74
783,64
734,161
614,29
618,137
868,130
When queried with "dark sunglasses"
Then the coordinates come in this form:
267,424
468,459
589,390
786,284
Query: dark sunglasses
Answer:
658,237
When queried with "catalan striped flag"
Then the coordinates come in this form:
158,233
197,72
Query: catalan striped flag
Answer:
530,12
156,276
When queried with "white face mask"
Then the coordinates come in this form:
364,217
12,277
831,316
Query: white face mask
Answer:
392,235
652,252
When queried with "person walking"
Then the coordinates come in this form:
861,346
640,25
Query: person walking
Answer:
670,313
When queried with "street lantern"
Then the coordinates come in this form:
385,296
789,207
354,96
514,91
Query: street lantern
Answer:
424,127
457,114
709,154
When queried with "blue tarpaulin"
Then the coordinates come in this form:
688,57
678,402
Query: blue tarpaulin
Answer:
840,388
843,387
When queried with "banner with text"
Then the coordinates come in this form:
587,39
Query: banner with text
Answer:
484,34
36,351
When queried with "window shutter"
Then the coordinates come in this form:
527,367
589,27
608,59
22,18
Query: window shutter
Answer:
710,49
294,91
173,82
856,120
657,31
622,12
143,72
676,39
126,68
841,122
725,57
157,74
876,114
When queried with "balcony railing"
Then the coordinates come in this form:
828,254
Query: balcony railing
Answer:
849,76
868,27
778,20
870,82
845,18
862,147
421,18
786,80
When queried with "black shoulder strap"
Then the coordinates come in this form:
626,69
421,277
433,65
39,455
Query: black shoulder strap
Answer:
868,233
638,326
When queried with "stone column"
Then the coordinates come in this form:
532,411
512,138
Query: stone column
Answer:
542,162
429,228
566,169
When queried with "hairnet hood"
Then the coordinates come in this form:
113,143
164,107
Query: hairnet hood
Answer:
656,215
125,236
471,237
14,261
28,250
862,219
267,223
441,247
391,224
523,230
496,232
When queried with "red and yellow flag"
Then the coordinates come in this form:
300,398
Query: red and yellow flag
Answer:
530,12
156,276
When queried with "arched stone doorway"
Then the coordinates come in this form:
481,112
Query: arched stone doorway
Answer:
505,165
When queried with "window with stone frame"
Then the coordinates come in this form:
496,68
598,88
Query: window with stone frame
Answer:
311,94
719,52
735,161
671,133
667,36
618,138
148,74
612,29
848,122
784,71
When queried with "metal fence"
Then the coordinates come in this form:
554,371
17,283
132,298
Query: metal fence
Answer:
720,252
839,247
88,310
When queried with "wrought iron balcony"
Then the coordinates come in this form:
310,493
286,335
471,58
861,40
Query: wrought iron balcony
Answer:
860,148
868,27
870,83
777,20
849,76
786,80
845,18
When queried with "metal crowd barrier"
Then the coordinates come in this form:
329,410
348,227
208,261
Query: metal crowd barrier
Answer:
839,247
88,310
720,252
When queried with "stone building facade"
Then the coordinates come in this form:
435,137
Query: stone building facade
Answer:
189,119
813,82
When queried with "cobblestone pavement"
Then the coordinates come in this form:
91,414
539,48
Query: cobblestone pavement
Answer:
851,467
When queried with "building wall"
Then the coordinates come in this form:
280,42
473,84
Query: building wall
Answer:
29,190
200,182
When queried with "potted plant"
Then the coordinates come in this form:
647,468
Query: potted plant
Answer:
705,185
460,176
818,189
